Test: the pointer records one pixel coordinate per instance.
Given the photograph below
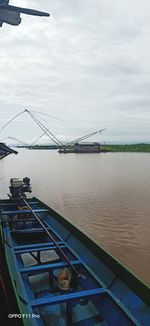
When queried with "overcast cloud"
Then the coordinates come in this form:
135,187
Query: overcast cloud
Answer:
89,64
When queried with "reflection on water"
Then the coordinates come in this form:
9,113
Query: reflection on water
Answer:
105,195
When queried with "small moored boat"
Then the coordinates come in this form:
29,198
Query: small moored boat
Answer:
61,277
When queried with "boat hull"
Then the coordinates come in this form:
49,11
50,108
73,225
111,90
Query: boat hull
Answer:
104,293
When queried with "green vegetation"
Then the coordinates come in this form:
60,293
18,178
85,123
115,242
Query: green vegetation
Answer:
141,148
144,148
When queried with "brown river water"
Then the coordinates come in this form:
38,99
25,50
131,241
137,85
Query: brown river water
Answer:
105,195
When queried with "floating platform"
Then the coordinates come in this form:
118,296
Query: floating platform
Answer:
82,148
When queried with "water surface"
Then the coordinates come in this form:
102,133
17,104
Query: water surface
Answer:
106,195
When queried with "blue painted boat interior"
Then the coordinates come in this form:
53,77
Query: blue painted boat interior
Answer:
97,297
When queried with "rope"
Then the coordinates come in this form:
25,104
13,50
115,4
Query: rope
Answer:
51,237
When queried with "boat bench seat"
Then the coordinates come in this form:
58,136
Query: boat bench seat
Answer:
43,268
24,211
37,245
39,249
66,297
24,220
24,231
16,204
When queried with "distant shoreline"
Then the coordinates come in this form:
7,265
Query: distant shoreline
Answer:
134,148
141,148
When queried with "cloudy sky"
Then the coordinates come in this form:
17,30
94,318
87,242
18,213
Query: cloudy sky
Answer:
87,64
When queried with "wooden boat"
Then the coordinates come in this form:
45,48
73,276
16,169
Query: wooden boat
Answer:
43,251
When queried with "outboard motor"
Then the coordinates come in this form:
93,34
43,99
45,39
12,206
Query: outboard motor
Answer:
18,187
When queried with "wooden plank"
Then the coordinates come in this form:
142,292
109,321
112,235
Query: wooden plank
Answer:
43,268
24,211
38,249
37,245
66,297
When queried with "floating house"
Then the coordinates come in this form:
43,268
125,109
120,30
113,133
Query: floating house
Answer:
90,147
87,147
